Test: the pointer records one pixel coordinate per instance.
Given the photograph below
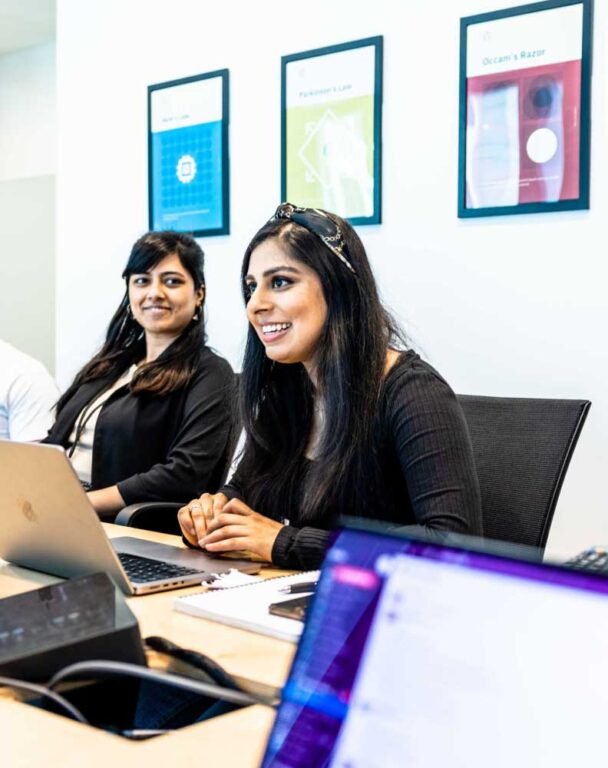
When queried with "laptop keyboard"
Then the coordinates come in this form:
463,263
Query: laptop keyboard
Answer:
594,560
141,569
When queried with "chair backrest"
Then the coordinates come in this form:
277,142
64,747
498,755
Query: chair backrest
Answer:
522,449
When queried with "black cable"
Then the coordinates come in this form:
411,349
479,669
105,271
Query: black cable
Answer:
40,690
85,417
195,659
88,669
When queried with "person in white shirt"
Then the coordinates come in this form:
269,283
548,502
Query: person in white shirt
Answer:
27,396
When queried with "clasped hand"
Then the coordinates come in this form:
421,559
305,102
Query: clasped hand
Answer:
218,524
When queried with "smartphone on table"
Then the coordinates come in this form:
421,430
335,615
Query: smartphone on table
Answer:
291,609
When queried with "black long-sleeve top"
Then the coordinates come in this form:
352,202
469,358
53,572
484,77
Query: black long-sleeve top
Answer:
159,447
428,475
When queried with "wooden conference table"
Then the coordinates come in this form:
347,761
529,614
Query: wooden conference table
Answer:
31,738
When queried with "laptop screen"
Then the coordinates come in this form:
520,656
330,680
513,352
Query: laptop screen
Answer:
417,654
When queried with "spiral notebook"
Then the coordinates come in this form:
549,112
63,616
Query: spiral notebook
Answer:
246,607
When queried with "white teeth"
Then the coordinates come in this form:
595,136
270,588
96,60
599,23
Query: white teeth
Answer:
274,327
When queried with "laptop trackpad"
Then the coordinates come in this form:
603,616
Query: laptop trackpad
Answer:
190,558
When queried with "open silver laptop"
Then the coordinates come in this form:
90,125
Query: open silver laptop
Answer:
48,524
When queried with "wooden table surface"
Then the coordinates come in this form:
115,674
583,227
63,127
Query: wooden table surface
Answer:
32,738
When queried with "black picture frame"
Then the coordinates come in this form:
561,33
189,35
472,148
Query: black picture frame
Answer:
368,208
544,105
188,140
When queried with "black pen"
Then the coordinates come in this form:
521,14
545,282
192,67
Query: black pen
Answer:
303,586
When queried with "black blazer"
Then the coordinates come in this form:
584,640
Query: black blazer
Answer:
159,448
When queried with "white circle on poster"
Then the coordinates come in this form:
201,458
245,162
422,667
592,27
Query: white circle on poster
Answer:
186,169
541,145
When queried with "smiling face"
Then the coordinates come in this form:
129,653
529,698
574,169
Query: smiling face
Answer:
164,299
286,305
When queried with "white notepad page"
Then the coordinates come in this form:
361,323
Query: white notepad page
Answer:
246,607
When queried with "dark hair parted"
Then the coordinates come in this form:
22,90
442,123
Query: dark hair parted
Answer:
125,340
277,399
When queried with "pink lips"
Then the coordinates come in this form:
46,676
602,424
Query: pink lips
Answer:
267,338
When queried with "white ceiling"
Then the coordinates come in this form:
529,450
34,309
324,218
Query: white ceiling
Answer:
24,23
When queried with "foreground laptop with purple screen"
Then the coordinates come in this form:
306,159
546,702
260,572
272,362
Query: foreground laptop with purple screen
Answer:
422,654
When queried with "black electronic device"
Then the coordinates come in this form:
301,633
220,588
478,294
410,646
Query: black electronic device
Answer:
291,609
84,618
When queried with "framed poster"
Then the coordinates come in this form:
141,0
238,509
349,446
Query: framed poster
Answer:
188,176
331,129
524,109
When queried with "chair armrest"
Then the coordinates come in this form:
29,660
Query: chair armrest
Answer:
151,515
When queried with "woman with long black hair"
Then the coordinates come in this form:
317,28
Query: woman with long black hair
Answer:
339,417
150,417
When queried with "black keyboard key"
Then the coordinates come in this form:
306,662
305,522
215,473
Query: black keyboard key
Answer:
142,569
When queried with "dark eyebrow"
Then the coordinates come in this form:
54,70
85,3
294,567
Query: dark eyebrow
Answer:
273,271
162,274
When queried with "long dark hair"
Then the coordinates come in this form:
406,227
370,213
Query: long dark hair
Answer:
277,399
125,340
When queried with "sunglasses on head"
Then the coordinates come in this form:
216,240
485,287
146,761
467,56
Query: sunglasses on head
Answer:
320,224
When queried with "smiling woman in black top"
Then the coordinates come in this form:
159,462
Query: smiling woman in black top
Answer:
149,418
337,419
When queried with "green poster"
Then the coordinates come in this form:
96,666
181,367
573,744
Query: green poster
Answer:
330,156
331,130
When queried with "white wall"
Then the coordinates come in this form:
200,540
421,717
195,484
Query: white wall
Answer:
27,266
27,113
504,306
27,201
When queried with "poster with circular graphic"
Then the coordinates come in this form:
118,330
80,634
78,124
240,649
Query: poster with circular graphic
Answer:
524,109
188,155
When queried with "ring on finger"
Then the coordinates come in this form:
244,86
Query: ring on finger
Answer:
196,507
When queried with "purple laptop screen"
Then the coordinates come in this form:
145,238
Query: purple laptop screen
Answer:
421,654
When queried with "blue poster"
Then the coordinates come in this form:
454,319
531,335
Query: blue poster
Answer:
187,168
187,154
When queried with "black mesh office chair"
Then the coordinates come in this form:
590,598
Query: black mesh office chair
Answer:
522,449
151,515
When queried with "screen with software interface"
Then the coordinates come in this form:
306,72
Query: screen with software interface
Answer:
422,655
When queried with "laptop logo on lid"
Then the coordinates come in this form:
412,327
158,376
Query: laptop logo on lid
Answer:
28,511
